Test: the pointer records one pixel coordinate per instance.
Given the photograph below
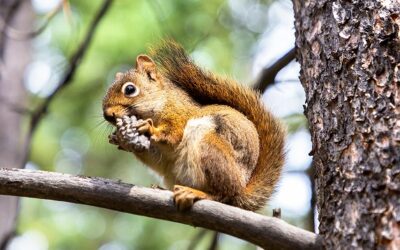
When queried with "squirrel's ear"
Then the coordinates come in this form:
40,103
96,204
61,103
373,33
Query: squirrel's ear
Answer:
145,64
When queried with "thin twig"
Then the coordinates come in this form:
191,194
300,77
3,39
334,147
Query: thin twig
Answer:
6,20
310,172
267,75
75,60
197,238
277,213
214,242
7,239
267,232
15,107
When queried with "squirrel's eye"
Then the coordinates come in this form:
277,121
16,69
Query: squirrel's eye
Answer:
129,89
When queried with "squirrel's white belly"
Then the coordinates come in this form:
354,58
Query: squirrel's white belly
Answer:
187,169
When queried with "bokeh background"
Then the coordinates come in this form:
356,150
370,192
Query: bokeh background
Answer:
234,37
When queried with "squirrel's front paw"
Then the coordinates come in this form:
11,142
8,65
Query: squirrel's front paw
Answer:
144,126
115,140
147,128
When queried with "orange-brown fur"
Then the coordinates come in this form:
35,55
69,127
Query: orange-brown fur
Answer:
211,138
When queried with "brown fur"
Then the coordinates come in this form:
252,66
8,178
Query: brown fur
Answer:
207,133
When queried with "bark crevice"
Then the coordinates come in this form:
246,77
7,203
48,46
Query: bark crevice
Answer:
349,53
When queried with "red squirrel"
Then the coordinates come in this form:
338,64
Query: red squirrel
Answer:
210,138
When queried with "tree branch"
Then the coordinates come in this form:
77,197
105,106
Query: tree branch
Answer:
267,75
267,232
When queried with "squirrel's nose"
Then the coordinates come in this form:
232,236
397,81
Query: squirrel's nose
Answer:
109,116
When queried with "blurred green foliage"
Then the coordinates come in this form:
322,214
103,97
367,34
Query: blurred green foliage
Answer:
73,137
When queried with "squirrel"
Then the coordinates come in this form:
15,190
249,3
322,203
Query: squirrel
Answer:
211,138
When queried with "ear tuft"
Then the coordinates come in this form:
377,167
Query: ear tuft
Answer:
119,75
146,65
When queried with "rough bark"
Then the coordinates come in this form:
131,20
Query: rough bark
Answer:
14,55
270,233
349,53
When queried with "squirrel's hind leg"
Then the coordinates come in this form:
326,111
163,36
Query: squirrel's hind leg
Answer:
185,197
215,170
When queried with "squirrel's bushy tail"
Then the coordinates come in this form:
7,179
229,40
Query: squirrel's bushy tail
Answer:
176,65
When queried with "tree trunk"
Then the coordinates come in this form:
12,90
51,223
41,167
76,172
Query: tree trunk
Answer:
14,56
349,53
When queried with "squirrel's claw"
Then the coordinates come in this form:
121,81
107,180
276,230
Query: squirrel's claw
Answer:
185,197
144,126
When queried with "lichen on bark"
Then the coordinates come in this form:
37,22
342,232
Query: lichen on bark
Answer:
349,53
